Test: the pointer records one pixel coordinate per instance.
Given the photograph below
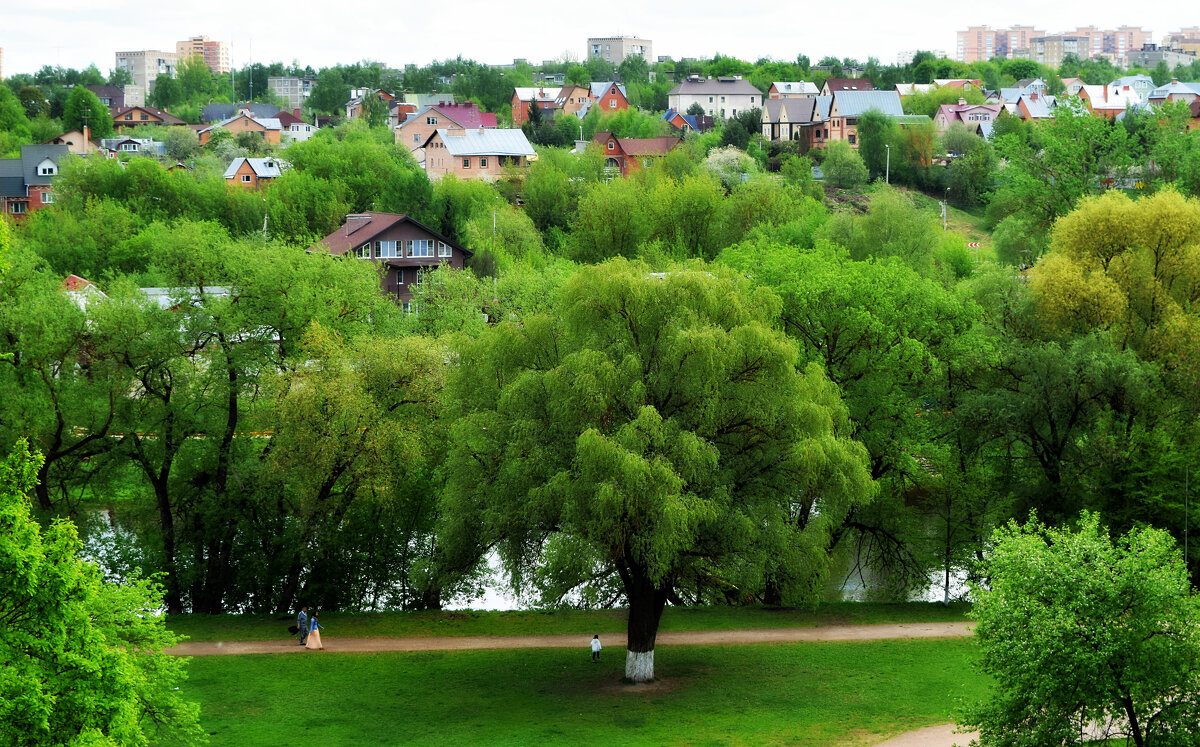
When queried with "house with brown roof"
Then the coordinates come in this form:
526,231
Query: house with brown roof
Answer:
969,114
269,127
846,84
78,142
628,154
790,119
132,116
400,247
355,104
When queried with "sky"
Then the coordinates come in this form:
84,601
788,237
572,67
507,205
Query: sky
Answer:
76,33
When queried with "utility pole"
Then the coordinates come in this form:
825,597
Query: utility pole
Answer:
887,171
945,216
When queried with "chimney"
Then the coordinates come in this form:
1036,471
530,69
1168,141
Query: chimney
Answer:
355,222
296,113
962,102
1033,96
87,137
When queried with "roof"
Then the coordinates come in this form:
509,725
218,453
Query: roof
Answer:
166,118
1175,87
465,115
268,123
363,227
1130,80
912,119
75,283
954,112
485,142
32,155
908,89
797,87
540,93
703,86
699,123
1116,97
797,110
849,84
1031,83
1037,106
218,112
12,179
824,106
597,90
857,103
263,168
287,119
642,146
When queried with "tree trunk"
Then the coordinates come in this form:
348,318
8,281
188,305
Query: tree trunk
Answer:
646,602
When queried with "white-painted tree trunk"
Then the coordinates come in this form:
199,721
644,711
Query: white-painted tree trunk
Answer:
639,666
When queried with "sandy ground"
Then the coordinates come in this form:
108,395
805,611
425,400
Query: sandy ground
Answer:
613,640
930,736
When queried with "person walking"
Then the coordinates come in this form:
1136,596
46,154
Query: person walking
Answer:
596,648
302,624
314,634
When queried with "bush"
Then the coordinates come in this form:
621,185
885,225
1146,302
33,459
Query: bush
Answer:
843,167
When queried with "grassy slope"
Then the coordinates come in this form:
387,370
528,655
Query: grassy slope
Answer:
806,694
420,624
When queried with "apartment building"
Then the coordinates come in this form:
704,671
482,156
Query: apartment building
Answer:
146,65
983,42
1186,39
215,53
616,48
292,89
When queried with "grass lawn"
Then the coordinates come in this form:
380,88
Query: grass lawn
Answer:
796,694
424,624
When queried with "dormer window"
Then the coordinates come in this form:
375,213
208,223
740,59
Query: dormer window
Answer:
47,168
612,145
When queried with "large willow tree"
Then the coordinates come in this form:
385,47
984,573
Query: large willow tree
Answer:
655,434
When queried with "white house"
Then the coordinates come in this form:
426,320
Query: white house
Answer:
720,97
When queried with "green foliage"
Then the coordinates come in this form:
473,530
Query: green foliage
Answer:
82,108
14,124
843,167
624,123
1077,629
303,209
609,222
623,449
370,165
928,103
167,92
82,659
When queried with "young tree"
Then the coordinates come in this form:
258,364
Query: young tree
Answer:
842,166
1079,631
652,431
82,658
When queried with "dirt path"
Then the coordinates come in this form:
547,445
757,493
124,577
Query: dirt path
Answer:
930,736
612,640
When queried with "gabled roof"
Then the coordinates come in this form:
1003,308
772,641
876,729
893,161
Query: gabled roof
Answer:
1133,80
484,142
166,118
32,155
466,116
909,89
704,86
263,168
267,123
363,227
1110,97
1031,83
12,179
1037,106
537,93
218,112
641,146
798,111
596,90
824,106
287,119
699,123
857,103
796,86
1175,88
849,84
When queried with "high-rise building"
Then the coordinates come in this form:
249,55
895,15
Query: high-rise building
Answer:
146,65
1186,39
292,89
1049,50
1086,42
215,53
616,48
905,57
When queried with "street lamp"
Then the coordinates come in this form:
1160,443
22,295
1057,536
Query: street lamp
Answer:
887,172
945,203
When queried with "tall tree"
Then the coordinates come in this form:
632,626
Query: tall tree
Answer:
82,108
652,432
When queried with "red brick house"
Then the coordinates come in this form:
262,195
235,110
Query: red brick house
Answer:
569,99
254,173
400,247
608,97
846,84
627,154
26,182
132,116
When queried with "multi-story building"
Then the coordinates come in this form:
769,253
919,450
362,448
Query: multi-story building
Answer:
905,57
215,53
1186,39
1151,54
1050,50
146,65
720,97
295,91
616,48
1086,42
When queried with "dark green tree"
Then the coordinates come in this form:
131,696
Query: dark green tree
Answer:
82,107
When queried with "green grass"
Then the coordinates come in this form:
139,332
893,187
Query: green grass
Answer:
797,694
548,622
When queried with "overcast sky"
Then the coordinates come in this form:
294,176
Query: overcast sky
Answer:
76,33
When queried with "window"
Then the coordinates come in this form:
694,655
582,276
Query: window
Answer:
129,116
48,170
722,99
443,249
482,162
16,208
850,139
612,103
751,99
420,248
245,178
466,163
363,252
128,146
431,120
47,198
386,250
145,116
612,145
399,276
710,99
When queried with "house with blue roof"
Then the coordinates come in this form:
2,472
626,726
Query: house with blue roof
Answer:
847,106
